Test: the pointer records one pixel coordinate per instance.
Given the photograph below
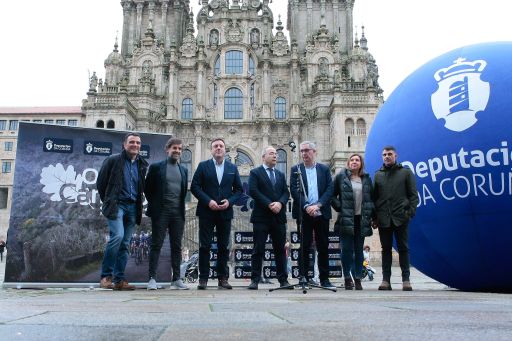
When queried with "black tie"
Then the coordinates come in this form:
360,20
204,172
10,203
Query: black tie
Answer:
272,177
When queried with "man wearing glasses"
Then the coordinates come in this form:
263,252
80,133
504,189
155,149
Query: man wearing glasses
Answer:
315,207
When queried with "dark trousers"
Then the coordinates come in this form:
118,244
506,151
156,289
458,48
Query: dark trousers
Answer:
352,251
320,227
401,234
168,221
223,227
278,233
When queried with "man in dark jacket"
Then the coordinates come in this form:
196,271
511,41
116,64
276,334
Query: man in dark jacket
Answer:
217,186
120,185
165,190
314,205
267,187
396,199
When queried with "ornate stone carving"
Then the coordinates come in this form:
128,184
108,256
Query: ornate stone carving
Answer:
310,115
187,88
280,43
233,31
189,47
155,117
255,3
280,88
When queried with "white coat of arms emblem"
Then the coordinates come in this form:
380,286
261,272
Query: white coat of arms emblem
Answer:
49,145
88,148
461,94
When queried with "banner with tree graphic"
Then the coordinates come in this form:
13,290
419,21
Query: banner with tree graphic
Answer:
56,232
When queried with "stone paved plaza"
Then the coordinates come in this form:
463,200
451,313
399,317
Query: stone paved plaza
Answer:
430,312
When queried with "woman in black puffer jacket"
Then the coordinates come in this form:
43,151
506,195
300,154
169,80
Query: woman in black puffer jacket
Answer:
352,198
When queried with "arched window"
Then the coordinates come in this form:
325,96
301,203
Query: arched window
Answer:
187,107
111,124
186,161
280,108
234,62
243,159
100,124
217,66
282,161
233,101
252,67
361,127
349,126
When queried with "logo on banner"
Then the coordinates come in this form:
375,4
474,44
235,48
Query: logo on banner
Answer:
97,148
461,94
145,151
267,272
88,148
64,184
54,145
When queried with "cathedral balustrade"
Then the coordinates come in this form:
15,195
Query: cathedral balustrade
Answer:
110,89
132,89
353,86
106,101
355,99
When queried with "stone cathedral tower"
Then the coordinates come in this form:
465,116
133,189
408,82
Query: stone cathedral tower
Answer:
241,78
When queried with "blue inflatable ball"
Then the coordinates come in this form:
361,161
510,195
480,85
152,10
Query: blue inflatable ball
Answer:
451,123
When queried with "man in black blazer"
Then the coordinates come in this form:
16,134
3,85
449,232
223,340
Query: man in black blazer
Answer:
217,186
267,187
315,207
166,188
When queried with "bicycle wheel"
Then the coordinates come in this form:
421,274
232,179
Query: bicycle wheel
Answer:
138,256
364,273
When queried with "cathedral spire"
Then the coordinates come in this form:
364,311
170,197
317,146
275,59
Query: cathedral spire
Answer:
190,27
149,31
279,26
116,45
363,41
356,40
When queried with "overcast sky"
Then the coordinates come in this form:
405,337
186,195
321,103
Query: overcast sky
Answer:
50,47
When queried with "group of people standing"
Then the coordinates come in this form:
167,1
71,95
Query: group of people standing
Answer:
388,204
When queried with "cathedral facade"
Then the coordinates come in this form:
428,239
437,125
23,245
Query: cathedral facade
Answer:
241,78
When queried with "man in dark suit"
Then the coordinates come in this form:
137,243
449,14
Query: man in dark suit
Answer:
315,207
217,186
166,188
267,187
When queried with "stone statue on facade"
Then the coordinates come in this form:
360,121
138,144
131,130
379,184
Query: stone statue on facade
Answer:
337,78
255,36
93,82
214,37
323,67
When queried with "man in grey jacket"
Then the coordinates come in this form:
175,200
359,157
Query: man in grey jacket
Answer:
396,198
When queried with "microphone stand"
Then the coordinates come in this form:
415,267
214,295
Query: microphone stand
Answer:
303,282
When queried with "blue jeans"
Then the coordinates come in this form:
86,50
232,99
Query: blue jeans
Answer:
352,251
116,252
